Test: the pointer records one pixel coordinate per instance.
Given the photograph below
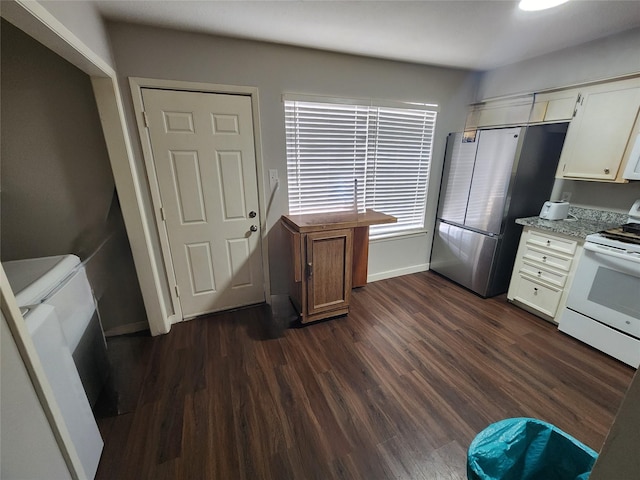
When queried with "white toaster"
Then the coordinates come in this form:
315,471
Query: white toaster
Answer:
554,210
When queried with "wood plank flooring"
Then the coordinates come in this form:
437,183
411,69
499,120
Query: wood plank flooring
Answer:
395,390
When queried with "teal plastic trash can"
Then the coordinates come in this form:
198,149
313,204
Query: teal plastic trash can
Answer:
527,449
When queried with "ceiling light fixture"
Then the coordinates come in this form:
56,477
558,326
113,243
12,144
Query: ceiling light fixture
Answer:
533,5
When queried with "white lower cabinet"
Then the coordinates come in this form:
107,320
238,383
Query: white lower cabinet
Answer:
543,270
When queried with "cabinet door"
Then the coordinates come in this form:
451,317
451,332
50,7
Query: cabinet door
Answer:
328,270
554,107
538,296
491,176
599,133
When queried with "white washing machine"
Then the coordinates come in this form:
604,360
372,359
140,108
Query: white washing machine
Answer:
44,326
61,281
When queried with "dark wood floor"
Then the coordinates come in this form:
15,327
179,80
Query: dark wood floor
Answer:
396,389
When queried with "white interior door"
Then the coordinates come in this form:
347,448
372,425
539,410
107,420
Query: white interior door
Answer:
204,156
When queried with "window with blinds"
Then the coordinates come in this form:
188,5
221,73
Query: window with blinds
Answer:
345,156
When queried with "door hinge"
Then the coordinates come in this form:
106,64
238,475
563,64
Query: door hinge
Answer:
146,119
177,291
162,214
578,103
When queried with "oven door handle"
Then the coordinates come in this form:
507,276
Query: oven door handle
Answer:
607,252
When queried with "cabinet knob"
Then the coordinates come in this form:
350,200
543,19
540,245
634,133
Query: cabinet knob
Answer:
539,274
252,214
544,259
548,242
606,171
535,291
310,269
253,228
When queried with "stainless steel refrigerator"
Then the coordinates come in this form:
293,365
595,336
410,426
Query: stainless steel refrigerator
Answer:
500,175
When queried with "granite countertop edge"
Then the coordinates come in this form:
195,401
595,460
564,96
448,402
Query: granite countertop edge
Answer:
580,223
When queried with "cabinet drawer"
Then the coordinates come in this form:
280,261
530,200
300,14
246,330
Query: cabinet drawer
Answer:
543,298
556,278
546,258
557,244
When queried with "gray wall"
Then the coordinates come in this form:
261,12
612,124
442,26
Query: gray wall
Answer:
619,455
57,184
166,54
82,18
58,194
605,58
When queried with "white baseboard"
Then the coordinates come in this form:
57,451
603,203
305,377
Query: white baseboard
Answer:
374,277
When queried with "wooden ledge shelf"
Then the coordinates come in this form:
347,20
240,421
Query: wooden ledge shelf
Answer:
316,222
330,257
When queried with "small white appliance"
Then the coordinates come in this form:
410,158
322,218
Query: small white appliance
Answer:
44,327
603,306
554,210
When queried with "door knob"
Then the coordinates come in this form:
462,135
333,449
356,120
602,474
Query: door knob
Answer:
252,214
253,228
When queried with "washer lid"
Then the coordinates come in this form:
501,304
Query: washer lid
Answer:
33,278
36,316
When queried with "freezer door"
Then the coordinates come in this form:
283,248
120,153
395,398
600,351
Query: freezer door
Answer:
491,176
456,179
464,256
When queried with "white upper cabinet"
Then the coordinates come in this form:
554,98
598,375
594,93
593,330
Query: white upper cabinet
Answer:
554,106
599,138
500,113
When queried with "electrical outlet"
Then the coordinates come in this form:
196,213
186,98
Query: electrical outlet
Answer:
565,196
273,178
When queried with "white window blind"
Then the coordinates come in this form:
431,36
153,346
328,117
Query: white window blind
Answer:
343,156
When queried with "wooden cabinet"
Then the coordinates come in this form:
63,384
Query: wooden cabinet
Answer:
542,274
599,138
329,255
328,272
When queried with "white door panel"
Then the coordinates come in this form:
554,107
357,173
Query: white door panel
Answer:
204,157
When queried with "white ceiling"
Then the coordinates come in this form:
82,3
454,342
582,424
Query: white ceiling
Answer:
476,34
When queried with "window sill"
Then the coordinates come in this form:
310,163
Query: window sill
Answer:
387,237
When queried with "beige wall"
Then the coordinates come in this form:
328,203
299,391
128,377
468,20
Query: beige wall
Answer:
605,58
166,54
57,186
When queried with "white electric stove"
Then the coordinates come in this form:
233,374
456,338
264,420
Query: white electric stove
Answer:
603,307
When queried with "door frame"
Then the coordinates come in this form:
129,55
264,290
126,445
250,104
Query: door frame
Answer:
137,84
